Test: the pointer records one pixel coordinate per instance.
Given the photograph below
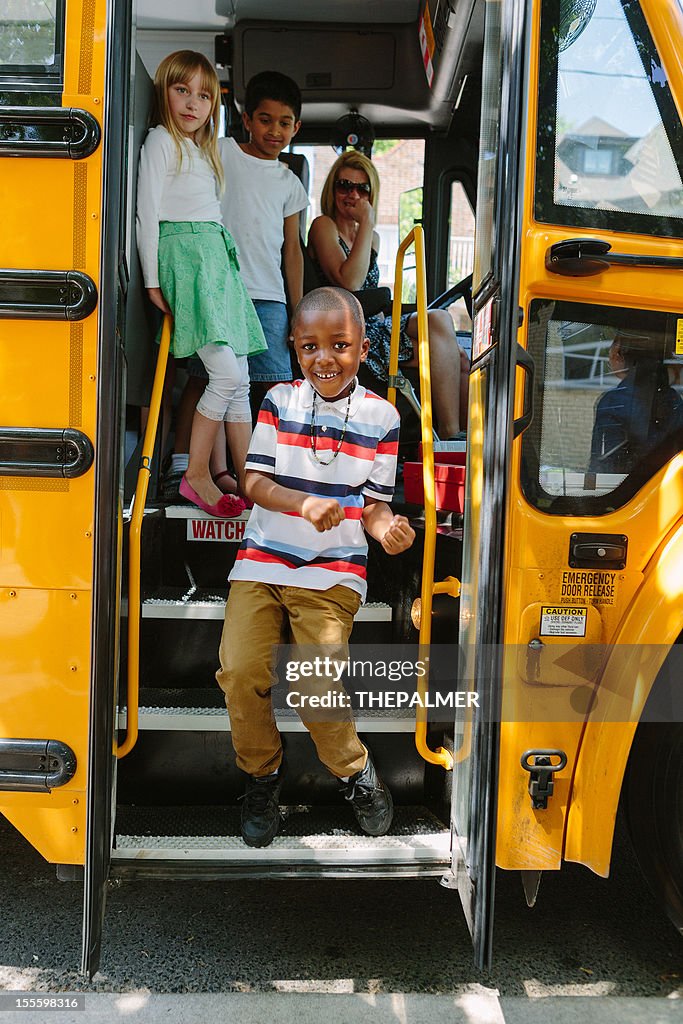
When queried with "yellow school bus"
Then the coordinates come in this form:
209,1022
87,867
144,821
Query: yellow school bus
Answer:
561,122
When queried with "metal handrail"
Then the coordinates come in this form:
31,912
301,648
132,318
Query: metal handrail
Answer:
429,587
134,542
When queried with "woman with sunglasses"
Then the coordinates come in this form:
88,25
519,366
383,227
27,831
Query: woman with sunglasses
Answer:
343,244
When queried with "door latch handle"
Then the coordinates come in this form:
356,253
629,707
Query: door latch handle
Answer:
541,769
584,257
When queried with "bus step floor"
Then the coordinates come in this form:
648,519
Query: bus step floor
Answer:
312,840
203,710
204,603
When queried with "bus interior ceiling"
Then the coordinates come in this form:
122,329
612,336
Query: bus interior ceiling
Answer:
342,54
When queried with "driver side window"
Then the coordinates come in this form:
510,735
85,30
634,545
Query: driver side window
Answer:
609,402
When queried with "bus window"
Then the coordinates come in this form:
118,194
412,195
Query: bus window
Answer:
460,251
492,69
610,143
610,411
400,165
409,214
31,39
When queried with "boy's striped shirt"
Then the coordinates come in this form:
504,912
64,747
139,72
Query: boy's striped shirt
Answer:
281,547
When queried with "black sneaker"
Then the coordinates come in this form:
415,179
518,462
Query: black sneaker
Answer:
370,799
260,811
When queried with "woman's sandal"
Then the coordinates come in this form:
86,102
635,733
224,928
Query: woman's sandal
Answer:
220,476
237,493
227,507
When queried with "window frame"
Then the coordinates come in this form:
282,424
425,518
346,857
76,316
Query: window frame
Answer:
546,211
39,78
581,506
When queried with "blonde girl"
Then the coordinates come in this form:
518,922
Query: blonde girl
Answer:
190,267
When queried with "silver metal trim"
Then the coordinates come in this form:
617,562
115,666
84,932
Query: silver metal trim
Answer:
162,608
217,720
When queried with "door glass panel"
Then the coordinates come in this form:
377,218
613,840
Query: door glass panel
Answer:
461,804
460,258
608,411
492,70
610,142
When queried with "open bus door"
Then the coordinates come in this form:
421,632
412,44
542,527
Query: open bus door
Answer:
64,79
579,200
115,52
492,380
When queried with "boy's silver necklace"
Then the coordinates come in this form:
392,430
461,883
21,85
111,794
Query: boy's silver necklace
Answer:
340,442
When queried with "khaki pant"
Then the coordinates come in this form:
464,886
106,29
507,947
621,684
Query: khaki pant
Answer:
258,616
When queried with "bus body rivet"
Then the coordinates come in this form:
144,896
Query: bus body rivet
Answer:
73,596
12,593
541,576
73,668
91,377
75,801
88,533
96,99
74,829
93,216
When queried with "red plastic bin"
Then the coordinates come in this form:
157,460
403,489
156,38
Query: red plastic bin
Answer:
449,485
452,458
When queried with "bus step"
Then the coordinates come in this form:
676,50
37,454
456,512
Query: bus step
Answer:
312,840
175,603
215,719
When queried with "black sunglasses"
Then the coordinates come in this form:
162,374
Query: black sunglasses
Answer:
347,186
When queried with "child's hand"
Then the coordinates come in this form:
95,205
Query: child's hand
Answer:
323,513
156,296
398,537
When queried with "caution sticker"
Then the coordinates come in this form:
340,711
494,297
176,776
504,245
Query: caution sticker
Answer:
230,530
679,337
563,620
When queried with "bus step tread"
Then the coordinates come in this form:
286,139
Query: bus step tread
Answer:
192,512
308,835
208,603
214,718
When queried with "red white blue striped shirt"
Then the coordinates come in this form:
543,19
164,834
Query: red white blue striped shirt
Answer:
282,548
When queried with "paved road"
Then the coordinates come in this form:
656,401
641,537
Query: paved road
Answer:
394,951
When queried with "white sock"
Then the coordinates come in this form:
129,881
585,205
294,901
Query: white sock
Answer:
344,778
180,462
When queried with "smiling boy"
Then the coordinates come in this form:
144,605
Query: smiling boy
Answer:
261,205
320,468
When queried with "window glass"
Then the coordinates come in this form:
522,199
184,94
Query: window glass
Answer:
30,35
488,145
400,165
608,411
610,143
460,251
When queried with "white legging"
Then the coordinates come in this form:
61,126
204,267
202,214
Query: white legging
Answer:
226,396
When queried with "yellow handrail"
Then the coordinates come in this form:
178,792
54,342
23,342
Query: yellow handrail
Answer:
134,540
440,755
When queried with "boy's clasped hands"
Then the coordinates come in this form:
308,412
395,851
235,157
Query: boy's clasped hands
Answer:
326,513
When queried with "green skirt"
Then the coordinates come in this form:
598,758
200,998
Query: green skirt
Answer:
199,274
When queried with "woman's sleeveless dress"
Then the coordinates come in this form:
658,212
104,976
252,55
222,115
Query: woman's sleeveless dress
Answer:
378,327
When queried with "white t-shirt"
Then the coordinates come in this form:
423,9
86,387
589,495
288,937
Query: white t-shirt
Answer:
168,193
258,195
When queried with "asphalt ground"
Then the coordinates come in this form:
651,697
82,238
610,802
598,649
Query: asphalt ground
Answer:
342,950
